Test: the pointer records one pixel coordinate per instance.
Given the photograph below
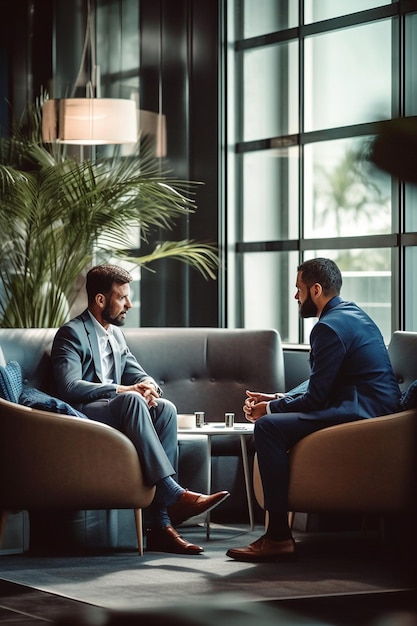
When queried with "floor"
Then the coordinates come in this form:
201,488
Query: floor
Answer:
20,605
23,606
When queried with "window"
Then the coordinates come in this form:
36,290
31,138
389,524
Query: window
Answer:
347,76
306,93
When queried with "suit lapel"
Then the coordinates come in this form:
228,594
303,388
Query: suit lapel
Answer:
93,342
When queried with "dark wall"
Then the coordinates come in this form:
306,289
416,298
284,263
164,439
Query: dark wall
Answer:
179,68
178,76
25,51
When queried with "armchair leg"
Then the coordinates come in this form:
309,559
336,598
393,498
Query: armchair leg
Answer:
139,530
3,521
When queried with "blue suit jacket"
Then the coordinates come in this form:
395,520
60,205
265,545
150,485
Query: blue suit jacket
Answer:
77,366
351,374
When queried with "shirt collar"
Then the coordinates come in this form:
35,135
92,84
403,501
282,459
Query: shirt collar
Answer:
101,332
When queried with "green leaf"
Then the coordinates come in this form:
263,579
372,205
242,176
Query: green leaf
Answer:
57,213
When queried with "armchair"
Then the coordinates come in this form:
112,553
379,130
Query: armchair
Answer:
366,466
50,461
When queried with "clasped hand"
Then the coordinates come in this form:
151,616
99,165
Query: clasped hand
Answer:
146,390
256,402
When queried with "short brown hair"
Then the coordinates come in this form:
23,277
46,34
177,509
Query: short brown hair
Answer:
101,278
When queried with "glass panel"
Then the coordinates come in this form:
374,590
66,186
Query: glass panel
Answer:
270,91
411,64
348,76
266,16
411,208
316,10
367,281
344,196
410,293
270,195
118,44
274,275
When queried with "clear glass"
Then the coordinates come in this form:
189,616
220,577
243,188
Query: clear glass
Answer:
343,194
118,44
270,91
411,64
410,293
266,16
268,292
411,208
348,76
317,10
270,194
367,281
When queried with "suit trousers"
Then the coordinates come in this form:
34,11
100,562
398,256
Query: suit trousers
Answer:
274,435
153,431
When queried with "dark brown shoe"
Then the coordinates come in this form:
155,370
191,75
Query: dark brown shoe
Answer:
190,504
265,549
168,540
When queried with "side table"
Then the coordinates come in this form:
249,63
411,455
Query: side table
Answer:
242,431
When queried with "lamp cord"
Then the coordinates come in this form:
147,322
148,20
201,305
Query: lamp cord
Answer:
88,39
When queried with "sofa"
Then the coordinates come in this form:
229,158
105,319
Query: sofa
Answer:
199,369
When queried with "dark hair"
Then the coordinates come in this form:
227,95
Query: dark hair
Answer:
322,271
101,278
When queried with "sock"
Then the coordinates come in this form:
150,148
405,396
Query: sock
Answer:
160,517
278,528
168,491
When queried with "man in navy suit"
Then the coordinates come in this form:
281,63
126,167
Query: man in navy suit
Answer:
96,373
351,378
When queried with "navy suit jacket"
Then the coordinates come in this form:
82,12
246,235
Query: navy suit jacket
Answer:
77,365
350,370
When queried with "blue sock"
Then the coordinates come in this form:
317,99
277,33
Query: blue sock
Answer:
168,491
160,517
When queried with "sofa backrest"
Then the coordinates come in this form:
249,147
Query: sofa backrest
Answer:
199,369
209,369
31,348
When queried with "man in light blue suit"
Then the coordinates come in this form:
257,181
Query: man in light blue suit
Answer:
97,374
351,378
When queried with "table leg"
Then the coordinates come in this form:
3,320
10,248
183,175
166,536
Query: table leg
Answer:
246,473
208,484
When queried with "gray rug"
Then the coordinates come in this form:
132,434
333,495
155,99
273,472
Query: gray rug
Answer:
329,564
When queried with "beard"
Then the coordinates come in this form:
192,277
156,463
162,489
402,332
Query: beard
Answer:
308,308
108,317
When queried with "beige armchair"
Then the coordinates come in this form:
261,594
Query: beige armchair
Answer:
50,461
366,466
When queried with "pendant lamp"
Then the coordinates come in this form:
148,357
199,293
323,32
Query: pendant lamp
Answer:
90,120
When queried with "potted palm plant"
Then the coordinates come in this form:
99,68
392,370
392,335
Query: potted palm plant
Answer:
59,214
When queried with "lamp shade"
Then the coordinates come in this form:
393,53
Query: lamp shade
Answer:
89,121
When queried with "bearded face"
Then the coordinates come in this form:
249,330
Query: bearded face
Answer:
307,308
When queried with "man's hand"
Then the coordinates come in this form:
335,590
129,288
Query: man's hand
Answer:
147,391
256,396
256,402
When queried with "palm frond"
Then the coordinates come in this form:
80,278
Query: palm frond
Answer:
57,211
202,257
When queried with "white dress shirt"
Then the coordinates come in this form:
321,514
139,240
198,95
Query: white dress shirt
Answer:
106,352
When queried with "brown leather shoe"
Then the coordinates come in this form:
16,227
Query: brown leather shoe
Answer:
190,504
168,540
265,549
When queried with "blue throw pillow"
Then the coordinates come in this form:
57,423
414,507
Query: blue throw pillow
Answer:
408,398
39,400
11,381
